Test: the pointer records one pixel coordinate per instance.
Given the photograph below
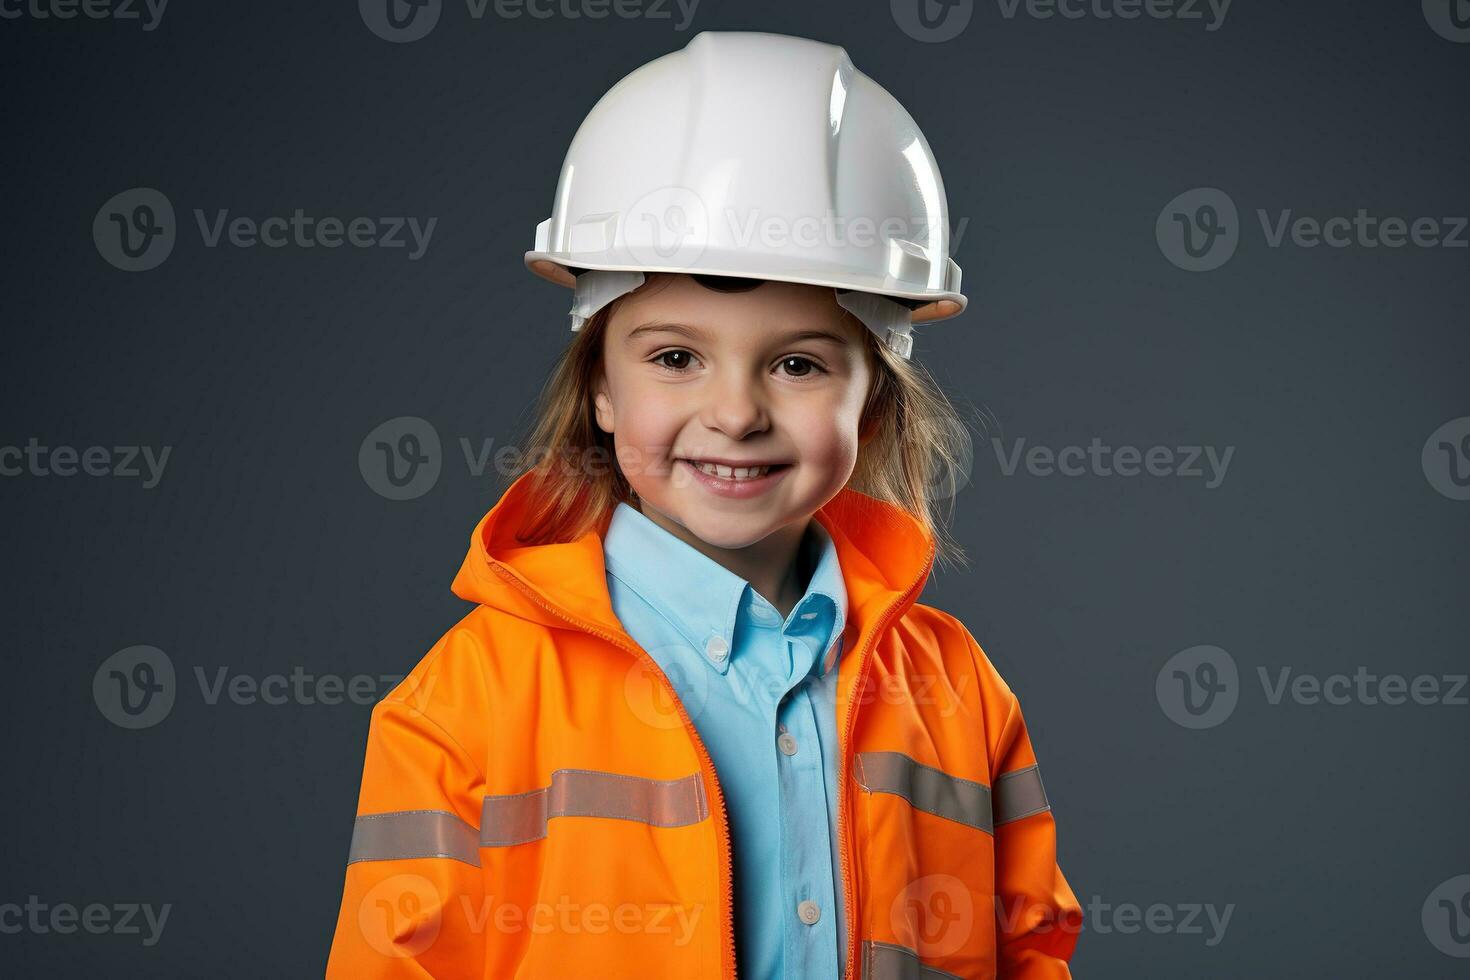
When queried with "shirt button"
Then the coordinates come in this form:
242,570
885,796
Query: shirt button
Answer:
809,912
716,647
787,741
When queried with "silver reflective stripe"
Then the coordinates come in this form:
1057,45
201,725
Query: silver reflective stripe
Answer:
885,961
1019,794
521,817
926,788
413,834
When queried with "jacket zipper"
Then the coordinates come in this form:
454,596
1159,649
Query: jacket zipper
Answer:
705,761
844,801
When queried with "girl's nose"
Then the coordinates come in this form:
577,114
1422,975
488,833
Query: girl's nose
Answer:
736,406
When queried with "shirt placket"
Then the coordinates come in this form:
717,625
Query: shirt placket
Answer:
811,940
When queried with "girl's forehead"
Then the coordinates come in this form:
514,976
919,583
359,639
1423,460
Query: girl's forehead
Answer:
769,306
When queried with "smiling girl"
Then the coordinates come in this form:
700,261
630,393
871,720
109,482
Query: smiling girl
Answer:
697,720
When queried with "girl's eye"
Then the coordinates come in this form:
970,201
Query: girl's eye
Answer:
798,367
675,360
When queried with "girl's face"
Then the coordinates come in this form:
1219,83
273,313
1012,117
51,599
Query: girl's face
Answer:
733,414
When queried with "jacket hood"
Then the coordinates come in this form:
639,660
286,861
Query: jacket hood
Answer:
884,552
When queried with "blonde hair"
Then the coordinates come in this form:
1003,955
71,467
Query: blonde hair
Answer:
914,451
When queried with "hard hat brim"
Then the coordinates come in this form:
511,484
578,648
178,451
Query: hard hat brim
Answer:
938,304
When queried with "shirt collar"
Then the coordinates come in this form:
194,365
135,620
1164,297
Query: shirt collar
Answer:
702,598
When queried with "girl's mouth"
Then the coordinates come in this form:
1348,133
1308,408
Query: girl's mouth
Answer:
735,481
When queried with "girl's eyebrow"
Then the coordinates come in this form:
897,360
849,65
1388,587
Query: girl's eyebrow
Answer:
695,333
658,326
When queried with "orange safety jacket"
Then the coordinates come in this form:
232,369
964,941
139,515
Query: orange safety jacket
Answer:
536,802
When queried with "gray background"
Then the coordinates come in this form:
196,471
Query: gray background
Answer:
264,549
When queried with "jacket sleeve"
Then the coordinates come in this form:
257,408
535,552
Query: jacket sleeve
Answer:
1038,918
413,898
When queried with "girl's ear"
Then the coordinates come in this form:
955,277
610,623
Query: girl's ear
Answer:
602,403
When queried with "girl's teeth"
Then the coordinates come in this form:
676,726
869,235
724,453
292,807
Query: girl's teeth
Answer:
733,472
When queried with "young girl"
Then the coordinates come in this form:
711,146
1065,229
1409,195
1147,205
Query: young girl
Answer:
697,719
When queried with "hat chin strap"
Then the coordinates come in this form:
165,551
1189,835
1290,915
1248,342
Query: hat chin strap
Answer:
888,320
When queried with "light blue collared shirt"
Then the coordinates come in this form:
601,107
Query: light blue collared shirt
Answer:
762,694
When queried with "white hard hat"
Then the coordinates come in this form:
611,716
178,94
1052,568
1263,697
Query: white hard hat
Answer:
758,156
